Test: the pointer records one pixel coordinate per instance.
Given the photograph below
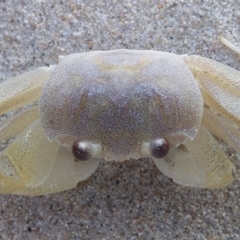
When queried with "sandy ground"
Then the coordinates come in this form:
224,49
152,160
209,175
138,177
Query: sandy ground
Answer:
130,200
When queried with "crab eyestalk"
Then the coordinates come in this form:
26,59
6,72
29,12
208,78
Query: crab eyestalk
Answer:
84,150
159,147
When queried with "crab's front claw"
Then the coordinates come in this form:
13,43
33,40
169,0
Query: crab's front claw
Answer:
31,165
29,158
198,163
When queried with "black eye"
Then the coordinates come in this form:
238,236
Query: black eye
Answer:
159,147
82,150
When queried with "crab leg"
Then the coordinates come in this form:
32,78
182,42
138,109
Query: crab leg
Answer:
220,86
230,45
17,123
23,89
221,128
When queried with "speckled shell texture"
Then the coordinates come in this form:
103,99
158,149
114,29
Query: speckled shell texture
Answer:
122,98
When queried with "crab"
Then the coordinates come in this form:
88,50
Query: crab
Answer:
119,105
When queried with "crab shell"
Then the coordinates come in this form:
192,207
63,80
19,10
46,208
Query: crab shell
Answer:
119,101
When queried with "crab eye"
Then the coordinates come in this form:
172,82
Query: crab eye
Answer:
82,150
159,147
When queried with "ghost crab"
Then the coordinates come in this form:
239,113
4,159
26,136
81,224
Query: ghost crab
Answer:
116,105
